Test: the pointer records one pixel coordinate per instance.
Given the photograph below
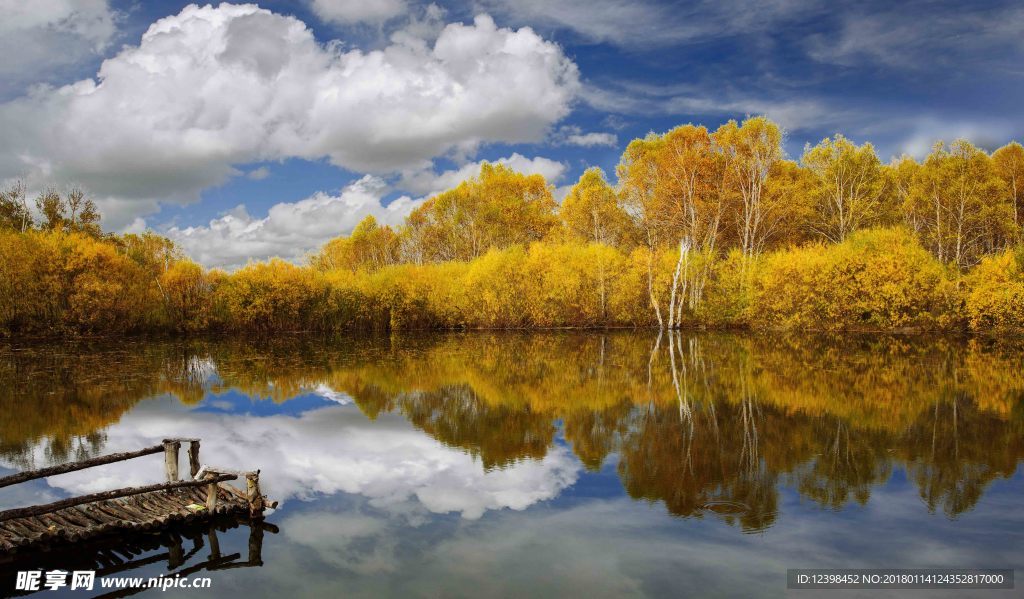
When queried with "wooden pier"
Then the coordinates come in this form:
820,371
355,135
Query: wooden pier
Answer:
147,508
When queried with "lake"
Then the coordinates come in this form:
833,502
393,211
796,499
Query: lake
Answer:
547,464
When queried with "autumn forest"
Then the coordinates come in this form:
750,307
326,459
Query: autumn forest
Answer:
701,229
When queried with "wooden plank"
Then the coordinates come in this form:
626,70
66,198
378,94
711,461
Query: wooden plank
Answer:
71,530
216,470
160,513
76,517
27,475
18,534
7,544
105,495
151,505
165,501
243,495
117,519
34,525
196,496
92,519
122,507
144,504
97,515
135,515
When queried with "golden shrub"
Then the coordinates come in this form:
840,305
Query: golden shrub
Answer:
995,292
876,279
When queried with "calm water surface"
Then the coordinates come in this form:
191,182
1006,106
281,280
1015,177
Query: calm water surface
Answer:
620,464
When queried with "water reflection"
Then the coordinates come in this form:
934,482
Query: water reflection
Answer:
183,550
705,425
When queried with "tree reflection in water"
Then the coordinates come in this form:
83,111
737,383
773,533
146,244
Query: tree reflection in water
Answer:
707,424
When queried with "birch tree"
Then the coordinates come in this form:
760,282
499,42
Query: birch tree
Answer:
960,204
637,171
591,212
496,209
1009,164
370,247
751,150
691,195
848,187
14,212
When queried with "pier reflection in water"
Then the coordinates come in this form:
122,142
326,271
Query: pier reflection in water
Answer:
385,440
180,551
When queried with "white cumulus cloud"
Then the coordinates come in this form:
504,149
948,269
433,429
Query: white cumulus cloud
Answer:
290,229
331,450
592,139
38,37
427,182
258,174
212,87
572,135
346,12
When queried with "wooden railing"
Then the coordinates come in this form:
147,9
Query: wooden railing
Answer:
200,476
37,510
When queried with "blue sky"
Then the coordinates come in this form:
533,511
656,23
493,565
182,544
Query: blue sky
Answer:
247,132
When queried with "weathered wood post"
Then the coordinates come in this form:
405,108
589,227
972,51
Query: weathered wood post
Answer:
211,495
175,552
255,543
253,494
214,543
171,459
193,457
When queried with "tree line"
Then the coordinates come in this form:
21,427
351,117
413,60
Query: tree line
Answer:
702,228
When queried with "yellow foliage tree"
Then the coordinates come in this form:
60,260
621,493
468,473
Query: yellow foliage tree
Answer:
848,187
751,150
369,247
1009,164
14,212
497,209
958,205
591,212
187,292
